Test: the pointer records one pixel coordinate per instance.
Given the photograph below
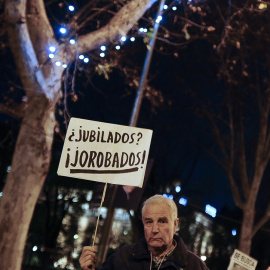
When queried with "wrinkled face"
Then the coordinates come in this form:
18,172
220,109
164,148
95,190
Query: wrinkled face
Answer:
159,228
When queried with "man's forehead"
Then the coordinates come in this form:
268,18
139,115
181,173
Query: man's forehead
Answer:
157,211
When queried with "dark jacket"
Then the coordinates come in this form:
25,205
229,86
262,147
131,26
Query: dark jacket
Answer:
137,257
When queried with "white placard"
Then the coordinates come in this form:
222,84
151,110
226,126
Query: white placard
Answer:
105,152
241,261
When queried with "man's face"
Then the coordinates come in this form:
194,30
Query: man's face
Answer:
159,228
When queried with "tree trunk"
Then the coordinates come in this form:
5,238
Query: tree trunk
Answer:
246,235
29,34
30,165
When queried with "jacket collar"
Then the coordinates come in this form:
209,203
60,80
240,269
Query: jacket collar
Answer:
179,256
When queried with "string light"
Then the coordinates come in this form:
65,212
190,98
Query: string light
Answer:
103,48
72,41
159,18
123,38
58,63
52,49
141,30
71,8
63,30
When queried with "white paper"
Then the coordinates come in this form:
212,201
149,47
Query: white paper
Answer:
241,261
105,152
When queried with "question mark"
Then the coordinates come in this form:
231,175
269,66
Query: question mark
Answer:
140,136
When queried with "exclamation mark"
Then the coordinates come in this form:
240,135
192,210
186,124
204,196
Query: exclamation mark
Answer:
143,157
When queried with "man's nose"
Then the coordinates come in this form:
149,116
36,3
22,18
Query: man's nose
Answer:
155,228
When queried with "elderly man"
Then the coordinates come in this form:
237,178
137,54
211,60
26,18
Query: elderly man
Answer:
159,249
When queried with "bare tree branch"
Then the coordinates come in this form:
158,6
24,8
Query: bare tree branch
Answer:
22,48
262,221
119,25
16,110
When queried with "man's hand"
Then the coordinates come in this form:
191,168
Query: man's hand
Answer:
88,258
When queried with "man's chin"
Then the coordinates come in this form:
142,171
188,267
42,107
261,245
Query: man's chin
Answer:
157,248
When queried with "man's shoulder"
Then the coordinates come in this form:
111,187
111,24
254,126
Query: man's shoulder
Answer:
195,260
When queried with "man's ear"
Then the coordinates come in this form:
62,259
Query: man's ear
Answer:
176,223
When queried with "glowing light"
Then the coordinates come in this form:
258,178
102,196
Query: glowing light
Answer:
1,194
174,8
168,196
234,232
132,39
71,8
141,30
81,56
117,47
165,7
34,248
177,189
183,201
86,60
72,41
58,63
262,6
123,38
52,49
103,48
210,210
102,54
63,30
64,65
51,55
203,257
159,18
76,236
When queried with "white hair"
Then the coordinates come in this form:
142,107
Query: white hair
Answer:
159,199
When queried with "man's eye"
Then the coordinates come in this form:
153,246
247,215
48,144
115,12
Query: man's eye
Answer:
162,221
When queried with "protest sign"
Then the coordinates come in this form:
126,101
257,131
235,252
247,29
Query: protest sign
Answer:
241,261
104,152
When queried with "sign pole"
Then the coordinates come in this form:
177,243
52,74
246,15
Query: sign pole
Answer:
102,200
